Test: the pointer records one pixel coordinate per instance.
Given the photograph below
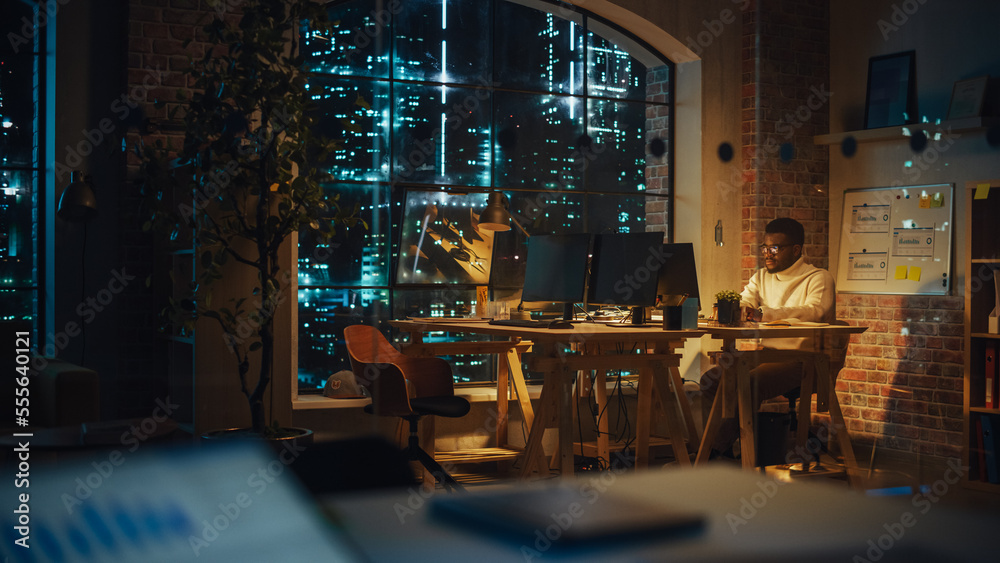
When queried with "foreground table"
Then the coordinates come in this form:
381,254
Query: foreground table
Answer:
749,517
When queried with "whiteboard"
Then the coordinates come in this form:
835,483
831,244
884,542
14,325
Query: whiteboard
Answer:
896,240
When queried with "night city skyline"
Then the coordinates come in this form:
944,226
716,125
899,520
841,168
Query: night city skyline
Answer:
558,123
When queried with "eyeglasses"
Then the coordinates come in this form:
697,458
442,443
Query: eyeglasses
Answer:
773,248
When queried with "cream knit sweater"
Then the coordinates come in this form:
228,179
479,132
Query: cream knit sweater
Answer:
802,292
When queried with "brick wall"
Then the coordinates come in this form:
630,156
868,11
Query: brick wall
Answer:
901,387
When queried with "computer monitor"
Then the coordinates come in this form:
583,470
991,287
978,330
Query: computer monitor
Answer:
624,270
556,270
678,275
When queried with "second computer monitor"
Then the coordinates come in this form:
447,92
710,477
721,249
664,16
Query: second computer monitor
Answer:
679,275
556,269
624,269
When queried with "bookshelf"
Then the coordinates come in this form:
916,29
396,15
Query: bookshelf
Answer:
982,262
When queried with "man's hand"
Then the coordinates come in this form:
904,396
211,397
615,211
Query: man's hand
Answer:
752,315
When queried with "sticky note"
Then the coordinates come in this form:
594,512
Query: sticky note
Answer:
914,274
900,272
925,201
982,191
937,200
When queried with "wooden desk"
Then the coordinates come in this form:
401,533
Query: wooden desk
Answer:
594,344
735,386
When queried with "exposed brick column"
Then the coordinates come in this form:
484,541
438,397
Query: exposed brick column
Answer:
785,75
657,169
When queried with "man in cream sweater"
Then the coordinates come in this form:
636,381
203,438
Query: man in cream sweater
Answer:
786,288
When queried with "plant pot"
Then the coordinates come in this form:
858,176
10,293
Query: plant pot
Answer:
727,313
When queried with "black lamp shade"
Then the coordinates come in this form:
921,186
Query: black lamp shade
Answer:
495,216
77,203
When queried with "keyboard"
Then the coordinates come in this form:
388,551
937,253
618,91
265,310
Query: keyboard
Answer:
520,322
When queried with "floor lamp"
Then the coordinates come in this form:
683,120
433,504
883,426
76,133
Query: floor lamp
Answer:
78,204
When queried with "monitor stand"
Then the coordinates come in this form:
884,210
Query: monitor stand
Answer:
638,315
638,320
568,311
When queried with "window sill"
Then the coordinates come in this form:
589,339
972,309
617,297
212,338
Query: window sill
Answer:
472,394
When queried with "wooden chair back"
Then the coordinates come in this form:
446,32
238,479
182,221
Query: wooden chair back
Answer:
390,376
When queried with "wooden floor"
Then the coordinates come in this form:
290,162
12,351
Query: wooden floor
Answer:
888,477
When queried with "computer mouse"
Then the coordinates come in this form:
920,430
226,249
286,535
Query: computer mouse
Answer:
560,323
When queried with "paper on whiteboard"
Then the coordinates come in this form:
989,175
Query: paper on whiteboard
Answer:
870,218
867,265
913,242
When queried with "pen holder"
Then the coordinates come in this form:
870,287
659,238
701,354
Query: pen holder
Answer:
681,317
673,317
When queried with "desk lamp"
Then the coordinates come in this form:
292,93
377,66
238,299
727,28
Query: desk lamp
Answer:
495,216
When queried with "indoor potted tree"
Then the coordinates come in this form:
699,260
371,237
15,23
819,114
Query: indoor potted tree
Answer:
246,177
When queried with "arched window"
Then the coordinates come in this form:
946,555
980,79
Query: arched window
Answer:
440,102
23,86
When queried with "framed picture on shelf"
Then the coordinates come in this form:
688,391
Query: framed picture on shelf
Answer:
967,97
892,90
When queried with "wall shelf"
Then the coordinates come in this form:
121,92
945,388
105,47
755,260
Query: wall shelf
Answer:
900,132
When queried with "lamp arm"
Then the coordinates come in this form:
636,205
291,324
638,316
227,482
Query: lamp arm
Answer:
518,225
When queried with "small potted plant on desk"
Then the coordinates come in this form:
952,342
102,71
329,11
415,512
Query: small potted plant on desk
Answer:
246,177
727,308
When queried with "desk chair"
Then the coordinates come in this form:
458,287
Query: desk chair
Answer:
406,387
